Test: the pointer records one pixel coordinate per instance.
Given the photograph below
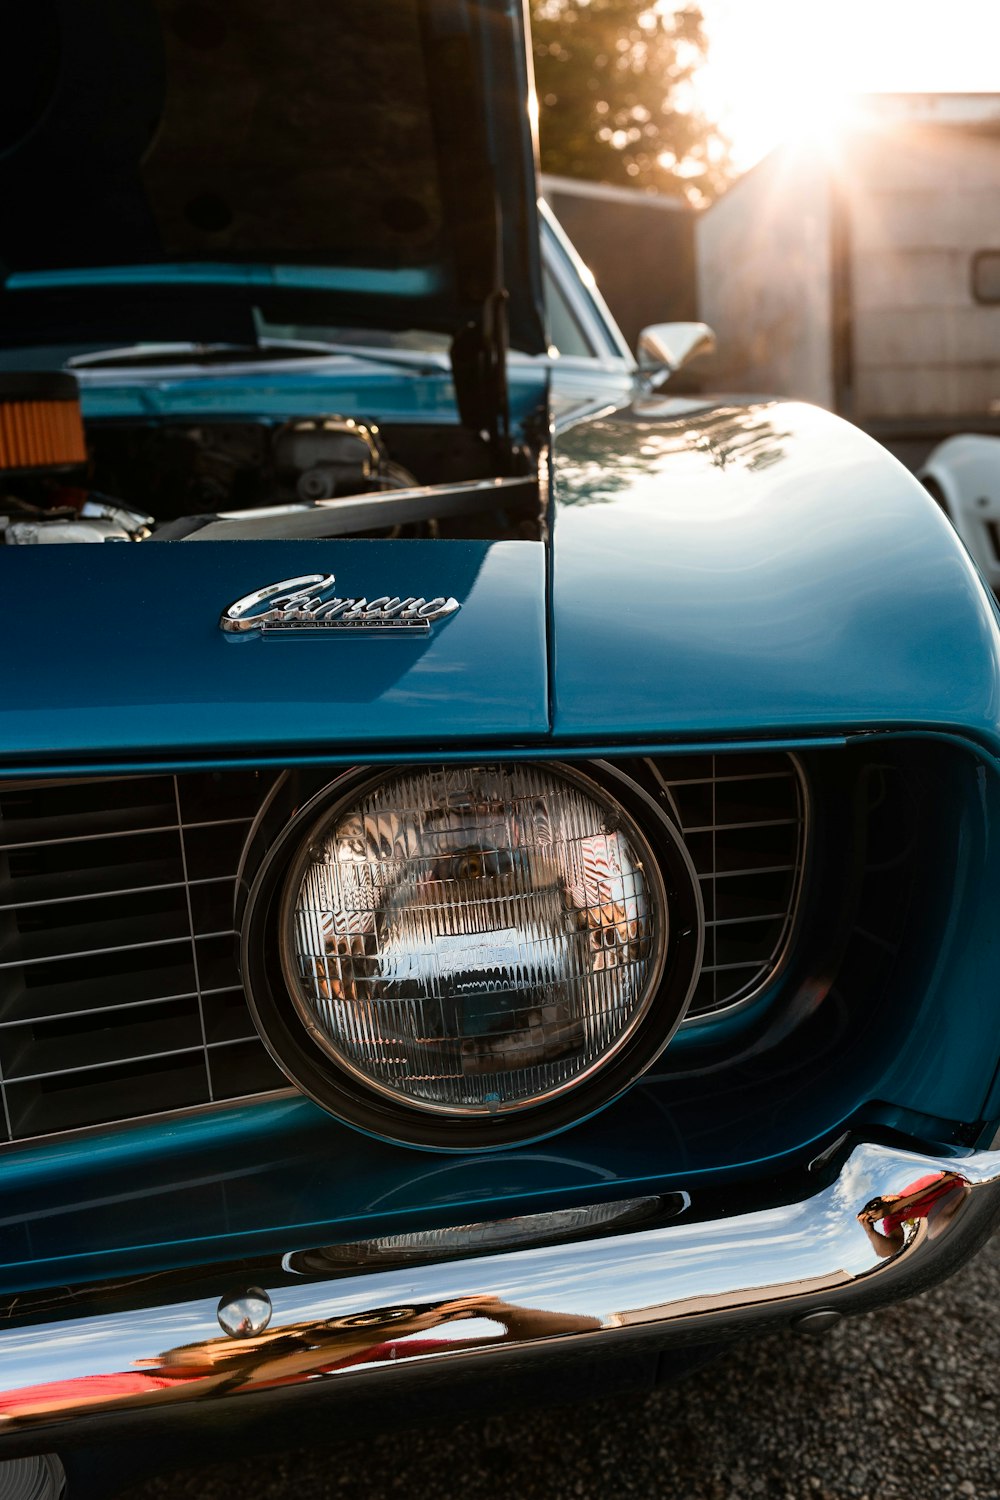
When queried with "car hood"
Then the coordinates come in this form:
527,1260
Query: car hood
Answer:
120,652
173,171
722,573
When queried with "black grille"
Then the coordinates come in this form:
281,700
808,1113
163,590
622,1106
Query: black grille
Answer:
119,992
744,822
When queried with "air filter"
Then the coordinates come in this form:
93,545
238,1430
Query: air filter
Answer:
41,428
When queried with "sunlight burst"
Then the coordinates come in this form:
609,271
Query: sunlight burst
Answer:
790,70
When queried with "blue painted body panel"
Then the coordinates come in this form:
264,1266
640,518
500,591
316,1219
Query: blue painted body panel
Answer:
749,572
281,1175
139,661
754,569
766,576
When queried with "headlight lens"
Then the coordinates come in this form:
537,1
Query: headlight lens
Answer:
474,940
465,957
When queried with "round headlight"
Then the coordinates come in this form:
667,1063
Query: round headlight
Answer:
470,945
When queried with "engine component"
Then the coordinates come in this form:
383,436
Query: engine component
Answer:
329,456
27,533
332,456
96,520
41,429
178,471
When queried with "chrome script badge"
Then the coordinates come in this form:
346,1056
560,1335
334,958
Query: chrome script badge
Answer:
308,603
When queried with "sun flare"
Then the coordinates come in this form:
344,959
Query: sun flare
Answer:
790,70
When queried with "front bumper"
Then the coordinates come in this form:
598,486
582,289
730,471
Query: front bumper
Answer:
889,1224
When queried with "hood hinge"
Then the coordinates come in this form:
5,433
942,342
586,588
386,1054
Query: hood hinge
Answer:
479,365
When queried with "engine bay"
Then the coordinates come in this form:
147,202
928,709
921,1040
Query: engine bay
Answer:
318,475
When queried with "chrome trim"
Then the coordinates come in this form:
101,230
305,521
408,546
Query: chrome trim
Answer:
576,282
325,519
890,1224
40,1477
245,1314
307,604
458,1242
661,943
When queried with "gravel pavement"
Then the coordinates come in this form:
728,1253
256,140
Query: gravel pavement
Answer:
900,1404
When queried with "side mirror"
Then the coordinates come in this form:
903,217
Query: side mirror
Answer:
665,347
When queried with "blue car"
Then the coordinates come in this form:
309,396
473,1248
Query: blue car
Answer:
498,862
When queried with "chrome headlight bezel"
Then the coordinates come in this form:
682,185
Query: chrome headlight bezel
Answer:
272,864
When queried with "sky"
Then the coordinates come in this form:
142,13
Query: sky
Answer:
781,69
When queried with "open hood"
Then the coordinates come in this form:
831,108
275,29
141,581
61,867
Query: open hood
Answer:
173,170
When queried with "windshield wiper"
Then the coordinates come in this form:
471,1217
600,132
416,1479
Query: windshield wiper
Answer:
190,353
425,361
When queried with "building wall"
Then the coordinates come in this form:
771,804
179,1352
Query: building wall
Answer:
640,247
764,280
845,277
921,201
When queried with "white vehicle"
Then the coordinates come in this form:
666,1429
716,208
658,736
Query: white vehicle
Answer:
963,475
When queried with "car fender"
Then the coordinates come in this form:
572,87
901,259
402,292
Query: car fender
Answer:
758,568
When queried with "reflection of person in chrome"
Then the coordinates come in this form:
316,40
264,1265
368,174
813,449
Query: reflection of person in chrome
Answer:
889,1221
287,1356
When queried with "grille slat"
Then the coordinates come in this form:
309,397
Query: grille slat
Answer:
97,1010
17,841
32,955
119,994
746,834
718,828
14,843
68,890
50,813
64,1047
101,982
740,921
48,1106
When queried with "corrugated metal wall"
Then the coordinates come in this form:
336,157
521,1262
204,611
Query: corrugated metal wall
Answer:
920,203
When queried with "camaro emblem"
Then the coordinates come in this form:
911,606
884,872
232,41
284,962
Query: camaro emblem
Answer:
308,603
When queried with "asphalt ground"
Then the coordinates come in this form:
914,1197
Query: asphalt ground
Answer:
901,1404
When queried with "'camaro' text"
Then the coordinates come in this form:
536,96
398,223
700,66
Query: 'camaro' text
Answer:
307,604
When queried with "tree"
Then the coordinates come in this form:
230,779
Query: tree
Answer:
614,88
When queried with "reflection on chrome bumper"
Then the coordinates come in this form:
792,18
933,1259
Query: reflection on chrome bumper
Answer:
890,1224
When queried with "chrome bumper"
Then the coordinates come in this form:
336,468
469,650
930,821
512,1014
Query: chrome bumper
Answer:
890,1224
